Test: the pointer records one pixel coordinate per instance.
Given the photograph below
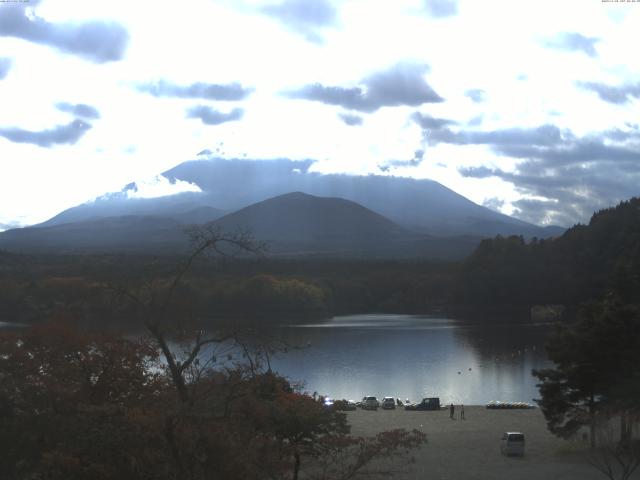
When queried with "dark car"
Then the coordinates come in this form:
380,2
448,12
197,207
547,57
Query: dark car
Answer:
388,403
432,403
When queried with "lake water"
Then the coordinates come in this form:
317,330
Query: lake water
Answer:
410,356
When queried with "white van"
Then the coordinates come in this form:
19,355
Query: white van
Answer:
512,443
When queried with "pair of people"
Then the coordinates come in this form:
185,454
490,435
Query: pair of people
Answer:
452,411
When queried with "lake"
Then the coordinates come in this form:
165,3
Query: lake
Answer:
412,356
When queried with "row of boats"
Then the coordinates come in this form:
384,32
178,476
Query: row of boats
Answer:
495,404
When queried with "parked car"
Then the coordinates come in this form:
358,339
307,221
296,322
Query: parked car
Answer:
343,405
512,443
369,403
432,403
388,403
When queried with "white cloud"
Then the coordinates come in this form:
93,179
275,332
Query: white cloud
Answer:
160,186
486,46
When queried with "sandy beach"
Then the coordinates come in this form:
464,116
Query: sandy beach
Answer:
470,449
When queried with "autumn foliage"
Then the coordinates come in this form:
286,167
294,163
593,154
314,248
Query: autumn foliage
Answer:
77,405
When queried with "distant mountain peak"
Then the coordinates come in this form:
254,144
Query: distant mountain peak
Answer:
232,184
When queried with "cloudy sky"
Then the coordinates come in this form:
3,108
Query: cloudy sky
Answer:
528,107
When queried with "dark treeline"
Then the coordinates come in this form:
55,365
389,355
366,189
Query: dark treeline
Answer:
583,264
33,288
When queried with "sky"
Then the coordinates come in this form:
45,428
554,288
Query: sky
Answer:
528,107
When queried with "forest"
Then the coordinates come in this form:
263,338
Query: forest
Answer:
503,274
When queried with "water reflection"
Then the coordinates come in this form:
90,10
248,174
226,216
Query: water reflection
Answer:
406,356
415,356
10,325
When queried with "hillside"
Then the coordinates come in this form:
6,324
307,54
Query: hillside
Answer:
423,206
302,224
185,207
297,218
582,264
133,234
294,224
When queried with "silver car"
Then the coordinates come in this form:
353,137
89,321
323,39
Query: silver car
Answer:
369,403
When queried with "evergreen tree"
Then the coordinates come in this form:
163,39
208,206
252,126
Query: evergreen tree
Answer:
597,369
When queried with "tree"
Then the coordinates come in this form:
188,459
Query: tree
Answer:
597,369
69,400
239,422
76,405
615,459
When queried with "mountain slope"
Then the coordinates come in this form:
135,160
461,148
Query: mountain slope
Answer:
186,207
420,205
293,224
302,224
423,205
298,217
134,234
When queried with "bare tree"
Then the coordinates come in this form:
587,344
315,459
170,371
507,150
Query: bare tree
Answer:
288,425
154,304
615,457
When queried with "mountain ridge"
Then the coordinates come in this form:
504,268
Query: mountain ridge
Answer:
230,185
293,224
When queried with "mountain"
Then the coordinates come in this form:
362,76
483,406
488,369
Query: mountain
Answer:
132,234
185,207
326,223
301,224
201,214
424,206
292,224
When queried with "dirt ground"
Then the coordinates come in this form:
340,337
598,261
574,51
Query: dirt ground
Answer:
470,449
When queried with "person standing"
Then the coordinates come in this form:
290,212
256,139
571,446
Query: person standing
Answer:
461,412
451,411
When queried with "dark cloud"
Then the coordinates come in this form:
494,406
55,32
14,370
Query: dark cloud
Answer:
79,110
428,122
619,95
209,116
476,95
5,66
477,172
306,17
620,135
350,119
574,42
401,85
63,134
569,177
441,8
544,135
417,159
97,40
578,151
207,91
